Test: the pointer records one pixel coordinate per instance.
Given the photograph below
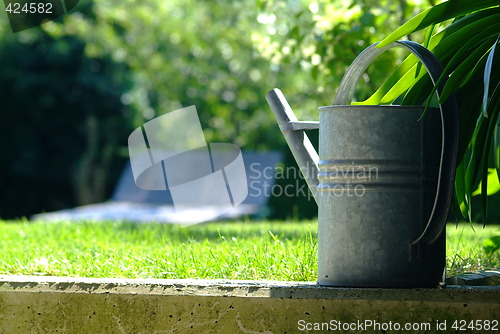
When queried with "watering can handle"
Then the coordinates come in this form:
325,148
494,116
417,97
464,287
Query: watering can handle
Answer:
449,127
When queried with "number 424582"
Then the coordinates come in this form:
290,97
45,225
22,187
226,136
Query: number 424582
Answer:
475,325
32,8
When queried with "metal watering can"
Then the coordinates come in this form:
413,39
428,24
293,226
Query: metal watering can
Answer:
383,181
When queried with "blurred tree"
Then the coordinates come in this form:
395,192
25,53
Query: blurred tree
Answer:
322,37
222,56
187,53
62,123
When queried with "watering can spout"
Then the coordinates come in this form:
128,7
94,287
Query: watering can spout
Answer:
294,132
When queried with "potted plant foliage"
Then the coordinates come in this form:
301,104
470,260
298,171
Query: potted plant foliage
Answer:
464,35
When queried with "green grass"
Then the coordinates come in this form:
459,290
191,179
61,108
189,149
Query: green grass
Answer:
230,251
465,251
244,250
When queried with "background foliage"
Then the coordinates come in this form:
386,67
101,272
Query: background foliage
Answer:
74,89
62,123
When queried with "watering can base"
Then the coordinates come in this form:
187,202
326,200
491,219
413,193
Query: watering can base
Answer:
426,270
408,284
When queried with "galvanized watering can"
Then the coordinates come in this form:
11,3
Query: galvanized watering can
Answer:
383,181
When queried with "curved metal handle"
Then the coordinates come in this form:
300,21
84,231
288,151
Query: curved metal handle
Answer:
449,127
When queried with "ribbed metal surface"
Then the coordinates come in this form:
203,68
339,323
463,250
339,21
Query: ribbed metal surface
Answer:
377,181
370,174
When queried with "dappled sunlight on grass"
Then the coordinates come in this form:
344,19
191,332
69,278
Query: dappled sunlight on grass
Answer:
465,248
284,251
232,250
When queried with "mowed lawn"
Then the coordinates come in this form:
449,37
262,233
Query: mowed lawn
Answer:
231,250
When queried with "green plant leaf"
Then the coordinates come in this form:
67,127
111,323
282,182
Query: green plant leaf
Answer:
487,75
470,112
492,244
443,44
461,198
468,185
461,74
427,39
417,93
484,192
455,80
442,12
497,148
391,81
464,47
471,44
477,145
484,160
495,98
493,184
402,85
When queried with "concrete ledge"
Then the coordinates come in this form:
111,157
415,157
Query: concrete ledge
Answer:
82,305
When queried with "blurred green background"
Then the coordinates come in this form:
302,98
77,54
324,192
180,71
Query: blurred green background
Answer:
73,89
